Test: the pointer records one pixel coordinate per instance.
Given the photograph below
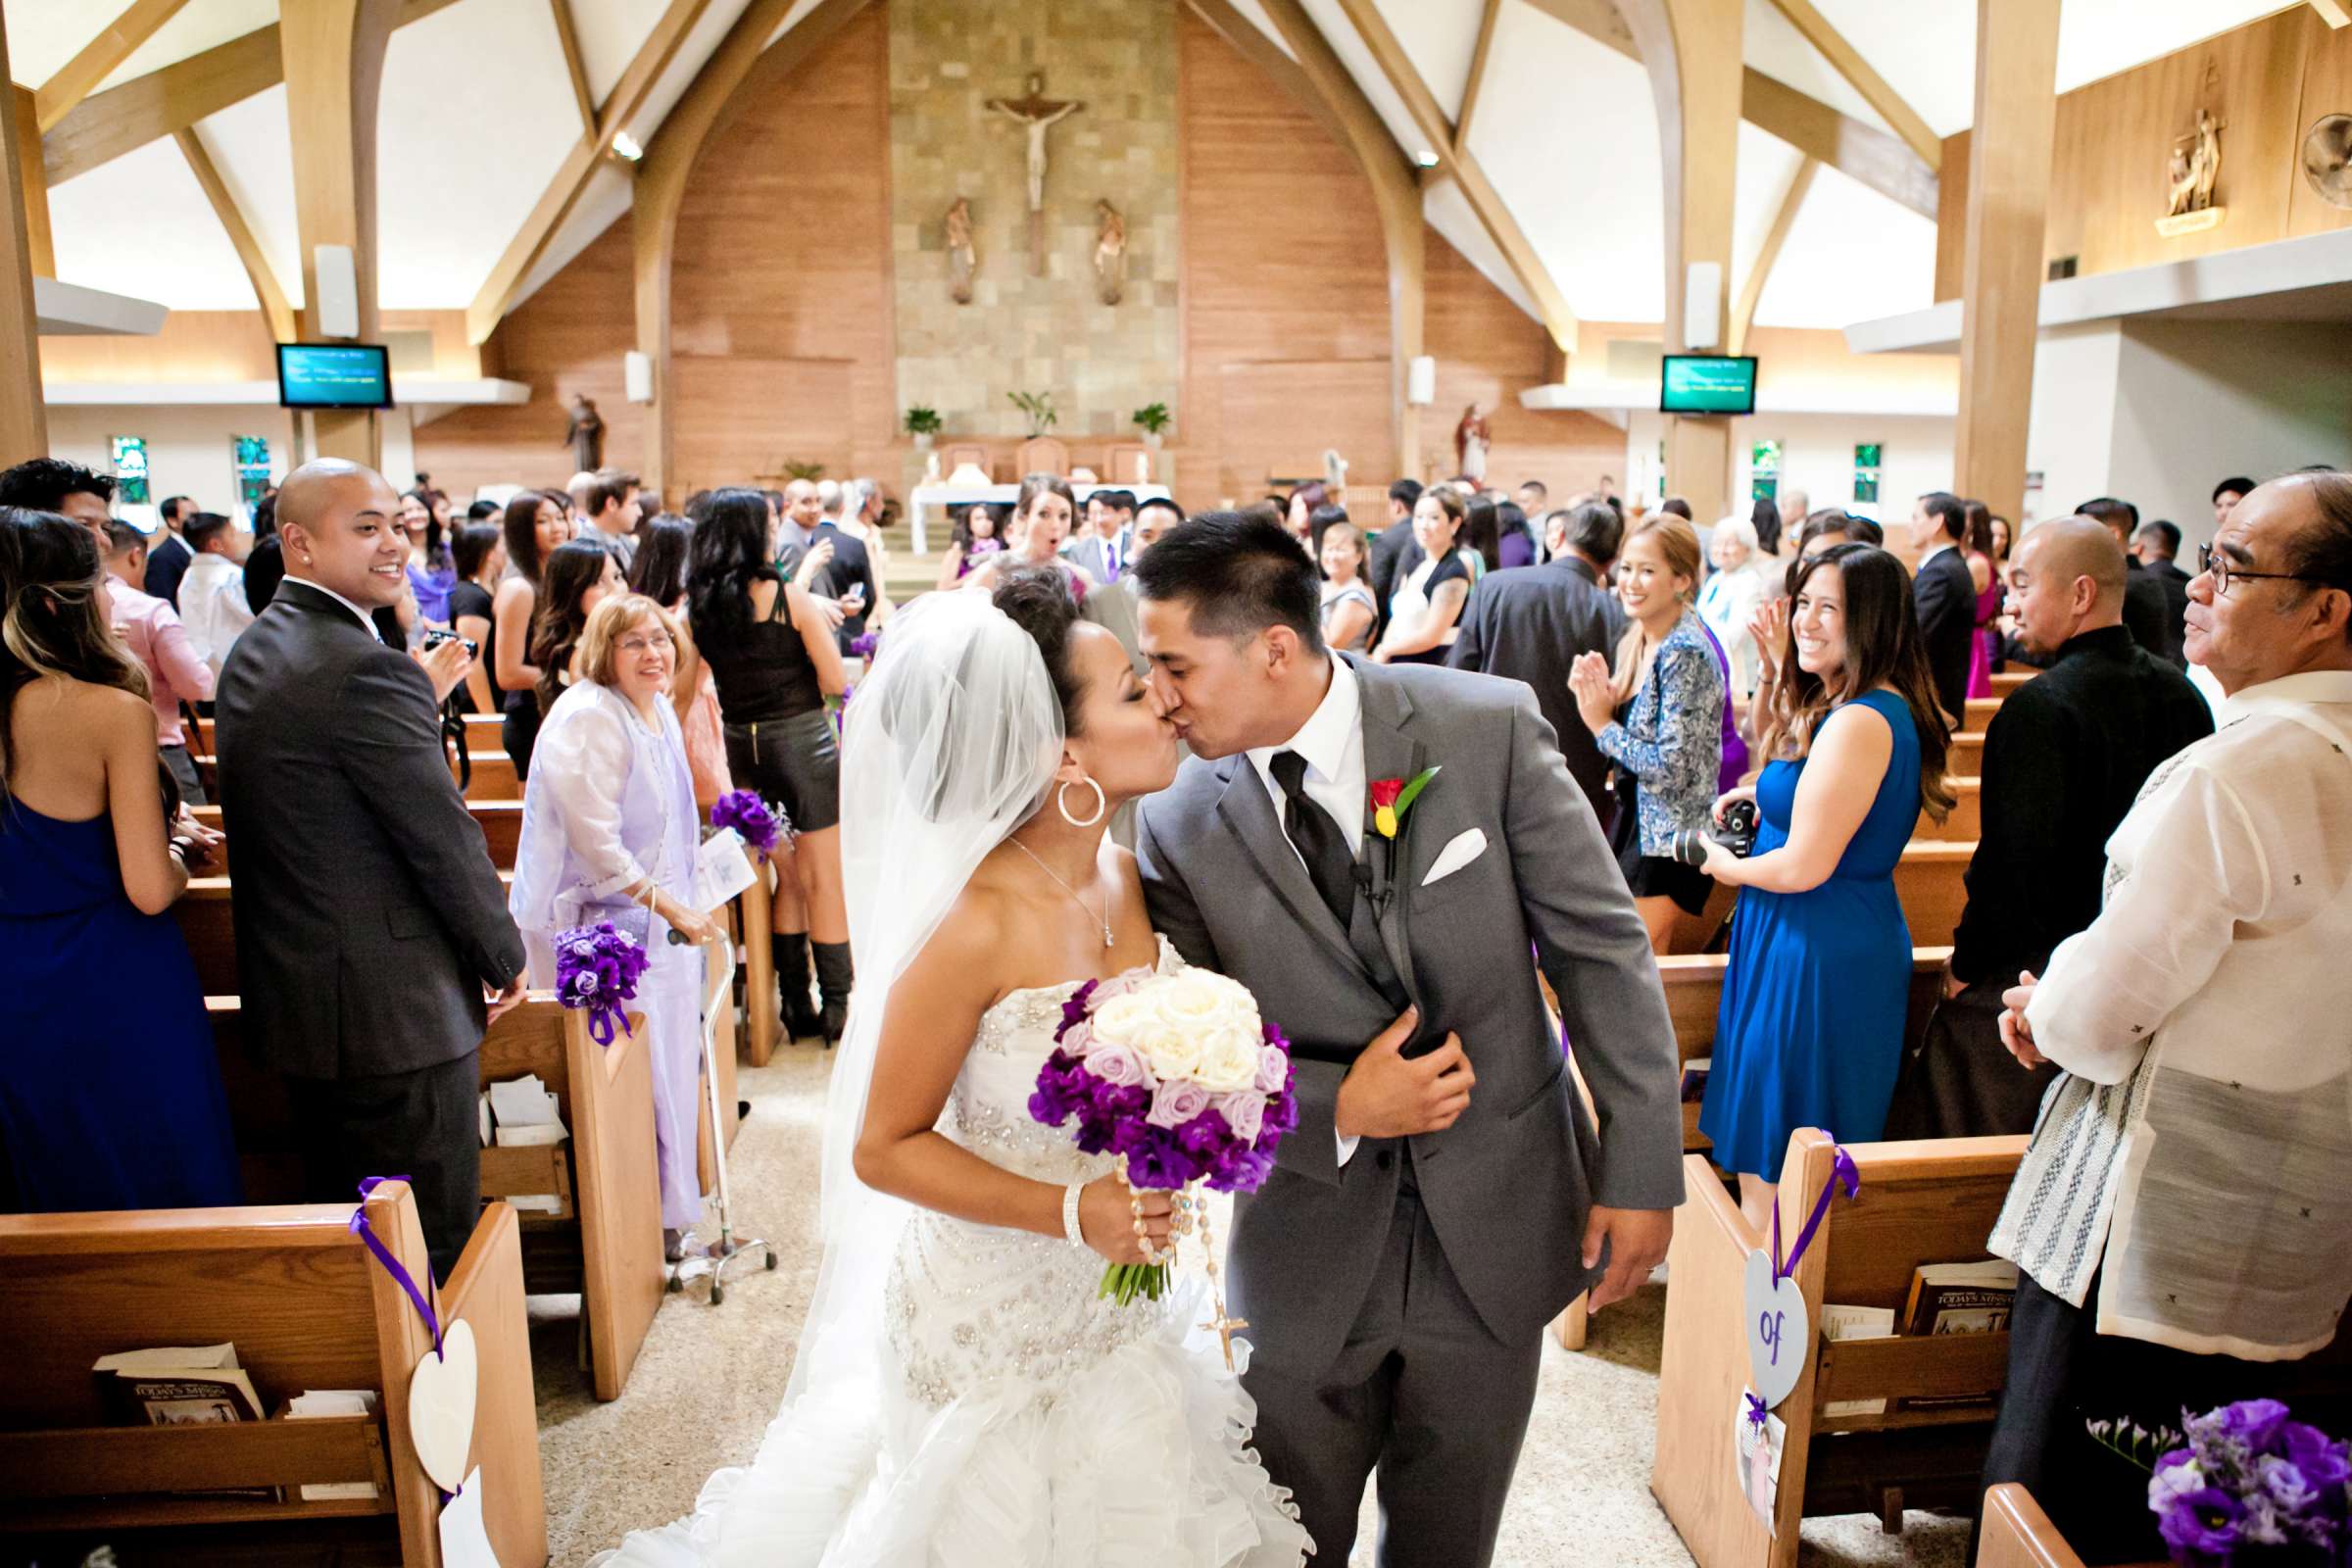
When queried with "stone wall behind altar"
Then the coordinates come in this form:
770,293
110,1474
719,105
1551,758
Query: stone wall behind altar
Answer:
1023,332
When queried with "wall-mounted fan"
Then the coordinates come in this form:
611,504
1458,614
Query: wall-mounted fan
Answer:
2327,159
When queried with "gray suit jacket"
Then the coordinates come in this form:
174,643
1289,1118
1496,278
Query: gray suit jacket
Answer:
367,916
1088,551
1509,1186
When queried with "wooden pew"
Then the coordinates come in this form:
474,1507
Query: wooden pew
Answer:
605,1241
1967,819
2008,680
307,1308
206,921
1966,758
501,822
1694,991
1919,1202
1927,879
483,732
2017,1534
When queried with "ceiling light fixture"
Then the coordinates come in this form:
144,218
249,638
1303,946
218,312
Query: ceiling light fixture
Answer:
1426,159
625,145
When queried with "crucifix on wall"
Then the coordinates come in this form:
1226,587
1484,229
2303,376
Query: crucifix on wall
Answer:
1035,113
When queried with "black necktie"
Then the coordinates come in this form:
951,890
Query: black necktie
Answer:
1320,843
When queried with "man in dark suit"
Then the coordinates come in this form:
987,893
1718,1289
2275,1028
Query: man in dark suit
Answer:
2150,614
2155,546
370,926
1945,595
848,580
169,553
1393,554
1529,622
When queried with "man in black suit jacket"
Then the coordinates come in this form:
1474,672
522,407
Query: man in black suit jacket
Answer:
370,923
167,557
1529,622
850,570
1393,554
1945,596
2149,614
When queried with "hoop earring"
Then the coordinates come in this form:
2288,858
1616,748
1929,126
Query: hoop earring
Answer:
1062,803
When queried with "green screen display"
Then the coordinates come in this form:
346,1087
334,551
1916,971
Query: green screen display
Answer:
1708,383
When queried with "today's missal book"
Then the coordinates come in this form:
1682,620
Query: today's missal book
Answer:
1961,1298
177,1385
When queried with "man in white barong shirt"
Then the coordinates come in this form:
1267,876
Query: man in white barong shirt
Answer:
2182,1220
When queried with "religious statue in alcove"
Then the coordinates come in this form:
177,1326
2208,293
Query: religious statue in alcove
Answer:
963,258
586,437
1110,253
1034,114
1471,439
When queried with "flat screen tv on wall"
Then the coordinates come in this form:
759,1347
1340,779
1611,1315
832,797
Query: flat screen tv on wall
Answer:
1708,383
334,376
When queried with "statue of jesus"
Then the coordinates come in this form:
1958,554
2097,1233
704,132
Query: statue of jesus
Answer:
1034,112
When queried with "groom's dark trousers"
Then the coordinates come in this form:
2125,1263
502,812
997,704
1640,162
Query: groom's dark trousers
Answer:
1397,1299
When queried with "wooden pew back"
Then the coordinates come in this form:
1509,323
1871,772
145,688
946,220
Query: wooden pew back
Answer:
1930,881
207,919
306,1308
2017,1534
501,822
1965,824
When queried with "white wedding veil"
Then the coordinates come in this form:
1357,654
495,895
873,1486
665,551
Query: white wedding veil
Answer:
953,737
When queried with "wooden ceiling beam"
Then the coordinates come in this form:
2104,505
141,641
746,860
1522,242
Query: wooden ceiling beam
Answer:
498,291
98,59
265,288
1848,62
104,126
568,33
1478,69
1494,214
24,415
1743,311
1861,152
2335,13
33,184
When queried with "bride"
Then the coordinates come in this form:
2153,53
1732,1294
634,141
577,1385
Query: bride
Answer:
961,1394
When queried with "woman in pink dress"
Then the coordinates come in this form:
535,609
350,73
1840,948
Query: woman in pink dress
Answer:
1984,571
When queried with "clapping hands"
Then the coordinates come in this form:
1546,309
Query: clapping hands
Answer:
1595,699
1769,625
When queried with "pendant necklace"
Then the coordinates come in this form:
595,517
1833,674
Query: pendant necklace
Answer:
1071,891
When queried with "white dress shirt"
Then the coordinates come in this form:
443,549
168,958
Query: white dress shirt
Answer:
366,620
1332,740
2196,1154
211,606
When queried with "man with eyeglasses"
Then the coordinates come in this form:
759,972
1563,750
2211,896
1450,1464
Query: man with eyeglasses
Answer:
2182,1219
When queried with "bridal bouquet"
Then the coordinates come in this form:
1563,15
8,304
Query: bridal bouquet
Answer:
1178,1076
2242,1484
596,967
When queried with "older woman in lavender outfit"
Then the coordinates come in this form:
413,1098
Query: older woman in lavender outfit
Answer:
609,832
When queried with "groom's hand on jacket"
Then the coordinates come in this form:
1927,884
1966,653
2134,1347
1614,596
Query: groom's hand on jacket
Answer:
1637,1241
1389,1094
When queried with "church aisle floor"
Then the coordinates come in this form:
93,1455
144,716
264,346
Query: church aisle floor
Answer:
710,1378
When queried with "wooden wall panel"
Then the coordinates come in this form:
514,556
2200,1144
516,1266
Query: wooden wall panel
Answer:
570,338
193,346
741,417
1488,351
784,255
2266,81
1282,262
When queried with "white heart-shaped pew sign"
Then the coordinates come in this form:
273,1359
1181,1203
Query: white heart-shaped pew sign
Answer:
1778,1339
441,1393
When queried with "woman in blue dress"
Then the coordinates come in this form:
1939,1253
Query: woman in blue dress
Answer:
1810,1030
110,1083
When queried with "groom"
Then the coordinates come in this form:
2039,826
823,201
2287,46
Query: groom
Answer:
1446,1193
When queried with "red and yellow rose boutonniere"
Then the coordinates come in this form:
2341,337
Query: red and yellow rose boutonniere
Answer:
1391,797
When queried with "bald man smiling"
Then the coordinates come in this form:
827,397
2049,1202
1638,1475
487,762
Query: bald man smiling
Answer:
372,929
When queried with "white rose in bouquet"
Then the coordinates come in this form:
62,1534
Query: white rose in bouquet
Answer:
1229,1059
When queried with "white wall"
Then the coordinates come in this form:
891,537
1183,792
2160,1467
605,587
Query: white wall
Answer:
2202,401
189,449
1817,456
2070,434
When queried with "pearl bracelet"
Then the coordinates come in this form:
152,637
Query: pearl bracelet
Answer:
1070,1214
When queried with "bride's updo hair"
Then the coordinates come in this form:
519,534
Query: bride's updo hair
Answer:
1038,600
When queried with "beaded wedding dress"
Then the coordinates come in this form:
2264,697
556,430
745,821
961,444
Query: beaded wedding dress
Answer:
1016,1418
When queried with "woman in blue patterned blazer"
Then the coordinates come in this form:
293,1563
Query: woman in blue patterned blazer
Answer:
1659,717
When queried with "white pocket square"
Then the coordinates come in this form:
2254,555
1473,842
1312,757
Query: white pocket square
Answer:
1465,848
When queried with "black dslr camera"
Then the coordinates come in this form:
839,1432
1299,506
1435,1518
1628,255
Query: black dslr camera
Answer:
1736,833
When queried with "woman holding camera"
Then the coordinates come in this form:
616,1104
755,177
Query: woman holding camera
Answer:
609,833
1661,720
1810,1030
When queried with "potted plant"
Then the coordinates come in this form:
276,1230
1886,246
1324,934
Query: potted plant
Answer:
1038,409
922,423
810,472
1153,418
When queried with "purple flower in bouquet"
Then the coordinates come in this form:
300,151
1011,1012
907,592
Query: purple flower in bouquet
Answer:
2242,1481
1175,1103
2204,1521
749,815
863,645
2322,1460
596,967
